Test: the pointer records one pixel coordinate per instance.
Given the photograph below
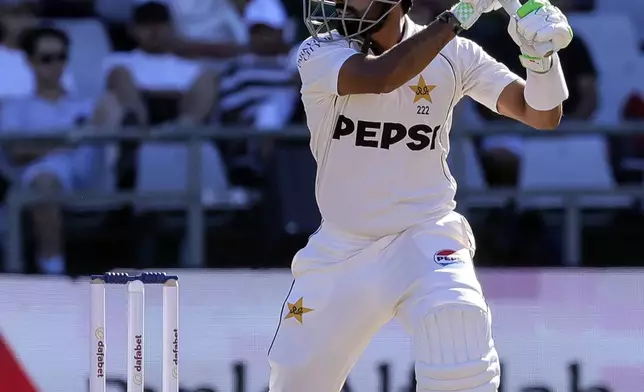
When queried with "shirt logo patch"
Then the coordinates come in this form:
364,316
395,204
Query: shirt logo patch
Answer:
447,257
422,90
296,310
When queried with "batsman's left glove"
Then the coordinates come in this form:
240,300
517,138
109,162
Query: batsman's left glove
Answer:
538,22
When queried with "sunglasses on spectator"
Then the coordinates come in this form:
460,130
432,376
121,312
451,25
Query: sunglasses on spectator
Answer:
49,58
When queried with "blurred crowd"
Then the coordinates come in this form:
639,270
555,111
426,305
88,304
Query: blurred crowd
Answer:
105,65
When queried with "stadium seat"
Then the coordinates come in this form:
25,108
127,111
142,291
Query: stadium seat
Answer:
570,163
614,51
164,167
89,45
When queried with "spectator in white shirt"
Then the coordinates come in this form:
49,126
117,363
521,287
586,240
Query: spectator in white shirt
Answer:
16,78
155,85
51,168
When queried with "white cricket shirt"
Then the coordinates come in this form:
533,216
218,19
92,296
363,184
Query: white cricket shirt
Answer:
382,159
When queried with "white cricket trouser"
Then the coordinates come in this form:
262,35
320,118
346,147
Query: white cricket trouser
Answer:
424,277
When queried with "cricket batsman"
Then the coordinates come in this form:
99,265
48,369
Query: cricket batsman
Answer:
379,92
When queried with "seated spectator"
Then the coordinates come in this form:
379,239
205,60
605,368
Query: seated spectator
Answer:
51,168
260,88
153,84
501,156
17,78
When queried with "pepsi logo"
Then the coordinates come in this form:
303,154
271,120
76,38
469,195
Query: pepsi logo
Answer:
446,257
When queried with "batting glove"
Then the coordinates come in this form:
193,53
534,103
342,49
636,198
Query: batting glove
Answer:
469,11
539,29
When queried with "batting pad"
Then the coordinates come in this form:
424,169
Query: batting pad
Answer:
454,350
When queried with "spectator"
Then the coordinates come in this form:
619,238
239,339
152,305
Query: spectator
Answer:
152,83
260,87
51,168
155,86
17,78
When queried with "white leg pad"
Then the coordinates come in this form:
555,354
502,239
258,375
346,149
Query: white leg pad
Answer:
454,350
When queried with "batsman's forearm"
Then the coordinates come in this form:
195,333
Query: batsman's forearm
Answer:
412,56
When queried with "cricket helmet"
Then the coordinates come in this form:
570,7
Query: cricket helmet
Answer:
322,16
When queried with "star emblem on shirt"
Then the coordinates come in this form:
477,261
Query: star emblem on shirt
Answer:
422,90
296,310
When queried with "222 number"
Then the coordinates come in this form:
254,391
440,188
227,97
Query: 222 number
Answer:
422,109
